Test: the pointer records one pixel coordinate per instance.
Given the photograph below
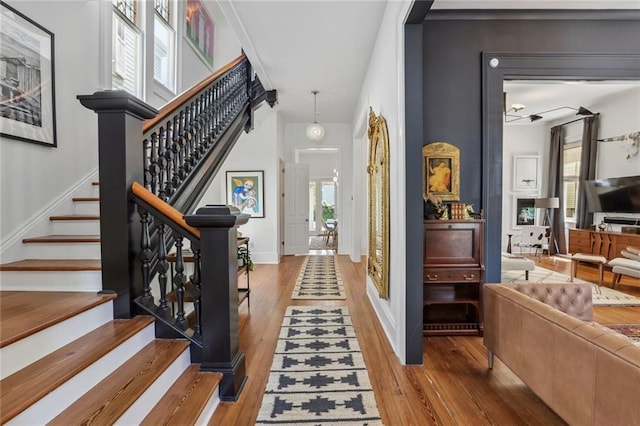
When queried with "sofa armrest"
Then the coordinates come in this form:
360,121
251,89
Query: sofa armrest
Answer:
572,299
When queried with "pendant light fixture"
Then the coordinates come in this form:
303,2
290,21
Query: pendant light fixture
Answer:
315,131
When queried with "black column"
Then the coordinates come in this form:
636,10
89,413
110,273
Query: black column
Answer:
219,278
120,118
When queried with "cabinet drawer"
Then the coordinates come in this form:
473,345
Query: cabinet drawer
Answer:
630,240
439,275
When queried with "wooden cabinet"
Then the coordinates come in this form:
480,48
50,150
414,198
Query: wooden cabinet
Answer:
607,244
453,274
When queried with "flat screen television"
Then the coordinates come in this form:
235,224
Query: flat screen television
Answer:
613,195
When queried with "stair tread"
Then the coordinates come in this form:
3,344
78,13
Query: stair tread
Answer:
23,313
111,398
184,401
85,199
76,217
27,386
53,265
63,239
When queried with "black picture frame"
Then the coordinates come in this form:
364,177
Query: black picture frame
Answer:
27,85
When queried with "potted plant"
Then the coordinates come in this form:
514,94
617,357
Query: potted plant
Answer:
244,258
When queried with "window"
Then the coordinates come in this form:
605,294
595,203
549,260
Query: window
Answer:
571,173
164,50
127,50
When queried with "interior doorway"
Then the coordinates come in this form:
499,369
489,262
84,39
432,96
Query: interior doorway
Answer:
323,204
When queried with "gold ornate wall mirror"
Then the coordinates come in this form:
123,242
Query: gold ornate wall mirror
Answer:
378,171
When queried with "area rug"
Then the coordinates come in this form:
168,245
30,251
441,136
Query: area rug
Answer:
632,331
319,279
601,295
318,375
318,242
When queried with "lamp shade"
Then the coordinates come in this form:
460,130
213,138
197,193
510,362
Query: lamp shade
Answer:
315,132
547,203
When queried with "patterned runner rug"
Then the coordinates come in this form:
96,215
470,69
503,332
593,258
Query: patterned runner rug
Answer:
318,375
601,295
630,330
319,279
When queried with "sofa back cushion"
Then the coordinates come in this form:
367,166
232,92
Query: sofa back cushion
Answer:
572,299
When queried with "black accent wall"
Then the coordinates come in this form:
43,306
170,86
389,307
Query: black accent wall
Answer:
454,111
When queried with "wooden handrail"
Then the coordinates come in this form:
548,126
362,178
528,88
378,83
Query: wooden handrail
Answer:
180,100
164,208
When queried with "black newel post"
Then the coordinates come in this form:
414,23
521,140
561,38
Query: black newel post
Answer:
219,289
120,118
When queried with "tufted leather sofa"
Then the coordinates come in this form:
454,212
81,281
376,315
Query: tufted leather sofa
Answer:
587,373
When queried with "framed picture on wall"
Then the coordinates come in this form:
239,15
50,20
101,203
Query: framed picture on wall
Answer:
525,173
245,190
524,211
199,30
441,171
27,107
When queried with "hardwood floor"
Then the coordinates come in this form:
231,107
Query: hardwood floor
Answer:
453,386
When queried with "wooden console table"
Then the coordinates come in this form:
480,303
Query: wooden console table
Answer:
453,275
601,243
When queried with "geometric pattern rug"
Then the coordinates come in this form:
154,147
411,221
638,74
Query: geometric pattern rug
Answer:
318,375
318,242
601,295
630,330
319,279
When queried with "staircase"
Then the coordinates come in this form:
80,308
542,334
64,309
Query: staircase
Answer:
65,360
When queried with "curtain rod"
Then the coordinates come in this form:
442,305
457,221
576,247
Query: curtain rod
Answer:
572,121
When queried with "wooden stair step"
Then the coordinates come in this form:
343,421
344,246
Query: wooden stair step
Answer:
95,183
63,239
184,401
23,313
53,265
111,398
76,217
26,387
85,199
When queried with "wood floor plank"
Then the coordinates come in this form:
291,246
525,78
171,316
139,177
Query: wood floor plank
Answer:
184,401
25,313
27,386
111,398
63,239
53,265
453,386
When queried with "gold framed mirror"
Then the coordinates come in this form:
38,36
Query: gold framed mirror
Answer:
378,171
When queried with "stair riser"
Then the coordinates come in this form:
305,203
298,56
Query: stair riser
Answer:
51,280
30,349
62,250
75,227
139,410
57,401
86,207
209,409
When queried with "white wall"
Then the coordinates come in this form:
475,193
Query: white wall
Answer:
256,150
34,176
528,139
321,163
383,90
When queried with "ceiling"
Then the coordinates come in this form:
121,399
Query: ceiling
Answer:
565,96
325,45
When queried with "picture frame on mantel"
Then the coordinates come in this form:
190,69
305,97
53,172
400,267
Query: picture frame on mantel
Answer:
28,107
526,173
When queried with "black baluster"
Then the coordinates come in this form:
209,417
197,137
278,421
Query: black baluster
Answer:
145,258
175,149
146,163
154,169
162,163
196,290
163,267
179,281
